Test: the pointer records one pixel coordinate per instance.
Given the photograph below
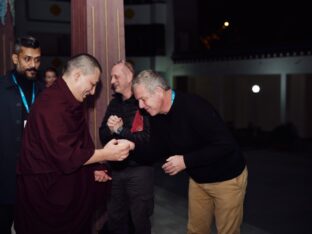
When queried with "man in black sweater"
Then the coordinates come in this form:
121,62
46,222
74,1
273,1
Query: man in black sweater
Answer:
188,132
132,192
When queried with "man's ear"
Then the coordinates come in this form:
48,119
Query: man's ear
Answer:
76,73
15,58
159,91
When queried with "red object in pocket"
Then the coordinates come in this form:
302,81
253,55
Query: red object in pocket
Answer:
137,124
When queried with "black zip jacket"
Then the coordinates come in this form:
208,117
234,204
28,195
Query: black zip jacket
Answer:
126,109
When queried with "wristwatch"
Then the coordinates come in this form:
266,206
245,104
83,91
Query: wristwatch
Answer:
118,131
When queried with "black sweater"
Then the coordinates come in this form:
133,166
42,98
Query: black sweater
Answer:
193,128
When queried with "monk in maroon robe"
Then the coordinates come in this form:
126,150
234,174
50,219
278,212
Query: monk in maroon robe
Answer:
58,170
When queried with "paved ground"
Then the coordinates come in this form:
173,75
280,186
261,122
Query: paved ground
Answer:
278,197
170,215
280,191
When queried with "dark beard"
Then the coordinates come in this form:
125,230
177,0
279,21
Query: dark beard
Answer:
31,70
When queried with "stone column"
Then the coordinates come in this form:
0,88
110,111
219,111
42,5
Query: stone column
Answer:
98,29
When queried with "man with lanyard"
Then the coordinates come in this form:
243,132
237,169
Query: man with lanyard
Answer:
190,135
18,90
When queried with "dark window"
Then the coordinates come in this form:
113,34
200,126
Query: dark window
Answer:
145,40
53,44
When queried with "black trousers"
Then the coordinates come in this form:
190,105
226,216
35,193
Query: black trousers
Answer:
132,193
6,218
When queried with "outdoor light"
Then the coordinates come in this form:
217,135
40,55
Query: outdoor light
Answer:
255,88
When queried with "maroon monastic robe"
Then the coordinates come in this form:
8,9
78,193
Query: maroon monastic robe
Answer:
55,192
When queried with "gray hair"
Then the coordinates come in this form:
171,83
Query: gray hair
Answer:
150,80
85,62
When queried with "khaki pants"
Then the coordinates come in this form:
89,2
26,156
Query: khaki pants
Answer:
223,201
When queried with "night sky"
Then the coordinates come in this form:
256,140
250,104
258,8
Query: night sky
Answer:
256,25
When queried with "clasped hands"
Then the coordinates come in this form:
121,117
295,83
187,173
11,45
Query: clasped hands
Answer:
117,150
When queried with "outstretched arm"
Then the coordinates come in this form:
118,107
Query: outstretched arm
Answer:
114,150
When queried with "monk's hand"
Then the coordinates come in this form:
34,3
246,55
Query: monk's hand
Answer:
101,176
174,165
118,150
124,141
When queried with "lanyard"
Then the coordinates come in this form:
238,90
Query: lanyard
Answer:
23,95
172,96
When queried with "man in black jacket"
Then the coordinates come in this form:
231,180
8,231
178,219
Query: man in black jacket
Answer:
18,90
132,193
189,133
